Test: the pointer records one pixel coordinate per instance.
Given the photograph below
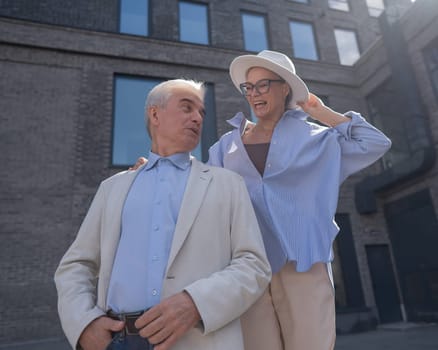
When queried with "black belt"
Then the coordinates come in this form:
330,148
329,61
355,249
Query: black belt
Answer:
129,319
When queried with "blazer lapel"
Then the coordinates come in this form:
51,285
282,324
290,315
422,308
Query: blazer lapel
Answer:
197,184
113,224
117,201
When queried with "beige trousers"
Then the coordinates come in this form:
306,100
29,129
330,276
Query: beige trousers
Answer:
296,312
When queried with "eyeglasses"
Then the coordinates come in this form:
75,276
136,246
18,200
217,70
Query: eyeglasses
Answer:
261,87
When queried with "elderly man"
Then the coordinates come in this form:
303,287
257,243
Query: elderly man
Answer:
170,255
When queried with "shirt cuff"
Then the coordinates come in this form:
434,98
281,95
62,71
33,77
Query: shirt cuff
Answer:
345,128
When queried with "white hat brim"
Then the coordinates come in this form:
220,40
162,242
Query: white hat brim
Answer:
240,65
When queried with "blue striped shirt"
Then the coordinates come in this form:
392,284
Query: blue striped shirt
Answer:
149,217
296,198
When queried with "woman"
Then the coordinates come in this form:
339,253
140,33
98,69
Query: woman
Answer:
293,170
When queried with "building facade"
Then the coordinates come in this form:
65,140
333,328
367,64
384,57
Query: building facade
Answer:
74,76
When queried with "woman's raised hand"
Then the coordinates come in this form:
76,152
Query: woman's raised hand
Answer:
140,161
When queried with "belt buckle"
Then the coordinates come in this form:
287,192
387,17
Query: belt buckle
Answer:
130,319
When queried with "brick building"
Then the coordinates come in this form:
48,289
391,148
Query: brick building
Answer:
74,75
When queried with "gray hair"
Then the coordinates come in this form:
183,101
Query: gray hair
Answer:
161,93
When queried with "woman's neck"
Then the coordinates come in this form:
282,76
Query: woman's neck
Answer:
268,124
260,132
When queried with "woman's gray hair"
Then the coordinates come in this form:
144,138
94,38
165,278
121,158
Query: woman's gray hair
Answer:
161,93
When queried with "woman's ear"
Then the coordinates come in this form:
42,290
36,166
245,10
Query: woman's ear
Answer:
287,95
287,90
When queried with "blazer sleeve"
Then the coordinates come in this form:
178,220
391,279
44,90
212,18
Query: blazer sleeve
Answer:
228,293
77,274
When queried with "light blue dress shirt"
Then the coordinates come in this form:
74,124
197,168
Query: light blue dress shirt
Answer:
296,198
149,217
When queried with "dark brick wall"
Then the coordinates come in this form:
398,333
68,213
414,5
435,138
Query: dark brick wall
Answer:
99,15
37,143
224,19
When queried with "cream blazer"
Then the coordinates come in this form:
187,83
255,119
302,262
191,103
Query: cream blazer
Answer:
217,256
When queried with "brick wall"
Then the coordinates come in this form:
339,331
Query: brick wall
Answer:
99,15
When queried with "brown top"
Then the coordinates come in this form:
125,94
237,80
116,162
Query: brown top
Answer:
258,152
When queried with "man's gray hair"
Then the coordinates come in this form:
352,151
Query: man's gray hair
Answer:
161,93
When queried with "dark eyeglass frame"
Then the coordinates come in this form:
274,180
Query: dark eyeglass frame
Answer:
244,86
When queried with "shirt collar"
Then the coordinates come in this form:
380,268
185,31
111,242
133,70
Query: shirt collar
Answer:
236,121
179,160
239,120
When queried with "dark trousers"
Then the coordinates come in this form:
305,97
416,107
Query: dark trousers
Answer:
122,341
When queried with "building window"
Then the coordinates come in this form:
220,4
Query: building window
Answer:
303,40
375,7
193,23
338,279
389,117
346,276
130,138
254,32
413,226
341,5
348,49
134,17
431,58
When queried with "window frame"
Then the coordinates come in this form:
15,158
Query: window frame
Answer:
207,19
148,18
209,130
315,41
347,2
357,44
266,26
371,8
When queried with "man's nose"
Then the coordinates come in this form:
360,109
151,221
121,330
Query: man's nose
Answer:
197,117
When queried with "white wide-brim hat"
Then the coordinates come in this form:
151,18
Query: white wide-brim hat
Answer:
276,62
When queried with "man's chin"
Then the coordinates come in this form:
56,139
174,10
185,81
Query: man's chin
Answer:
190,147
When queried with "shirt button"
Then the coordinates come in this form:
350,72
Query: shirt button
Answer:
274,142
156,228
269,165
154,258
154,292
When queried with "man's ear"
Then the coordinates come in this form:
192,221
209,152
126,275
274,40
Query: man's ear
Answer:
153,114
